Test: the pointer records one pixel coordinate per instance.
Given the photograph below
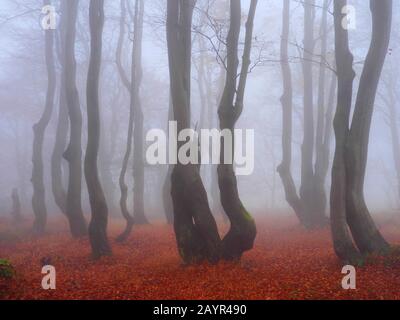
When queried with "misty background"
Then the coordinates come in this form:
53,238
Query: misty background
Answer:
23,83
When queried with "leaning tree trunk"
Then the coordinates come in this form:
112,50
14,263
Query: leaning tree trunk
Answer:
195,228
365,233
98,223
73,154
39,197
342,240
242,232
284,168
60,143
347,194
138,147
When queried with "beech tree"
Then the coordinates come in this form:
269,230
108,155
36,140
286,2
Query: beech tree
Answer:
242,232
310,204
138,134
350,217
73,154
195,228
60,144
98,223
39,129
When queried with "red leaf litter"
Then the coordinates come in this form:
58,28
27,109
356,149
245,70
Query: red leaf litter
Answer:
287,262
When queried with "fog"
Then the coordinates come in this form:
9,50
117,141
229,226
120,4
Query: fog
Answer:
23,84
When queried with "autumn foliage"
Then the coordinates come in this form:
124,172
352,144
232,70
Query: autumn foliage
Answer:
286,263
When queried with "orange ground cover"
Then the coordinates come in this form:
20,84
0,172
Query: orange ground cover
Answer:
286,263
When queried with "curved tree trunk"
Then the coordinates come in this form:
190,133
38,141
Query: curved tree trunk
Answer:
348,208
195,228
122,184
73,154
98,223
38,199
342,240
242,232
365,233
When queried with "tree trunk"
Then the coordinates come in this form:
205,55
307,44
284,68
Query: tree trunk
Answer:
365,233
39,197
284,168
195,228
320,198
73,154
98,223
138,147
167,200
127,83
314,218
342,240
348,208
242,232
60,144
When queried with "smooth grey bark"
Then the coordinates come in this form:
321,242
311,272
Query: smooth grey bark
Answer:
195,228
313,216
138,134
342,239
321,145
73,154
59,192
39,196
98,224
127,83
350,218
242,232
167,200
284,168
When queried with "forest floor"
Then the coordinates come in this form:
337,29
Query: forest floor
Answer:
286,263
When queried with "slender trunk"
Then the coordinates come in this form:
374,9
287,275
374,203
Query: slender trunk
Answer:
73,154
314,218
365,233
348,207
242,232
195,228
60,144
320,198
342,239
284,168
167,200
122,184
39,197
138,147
98,223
